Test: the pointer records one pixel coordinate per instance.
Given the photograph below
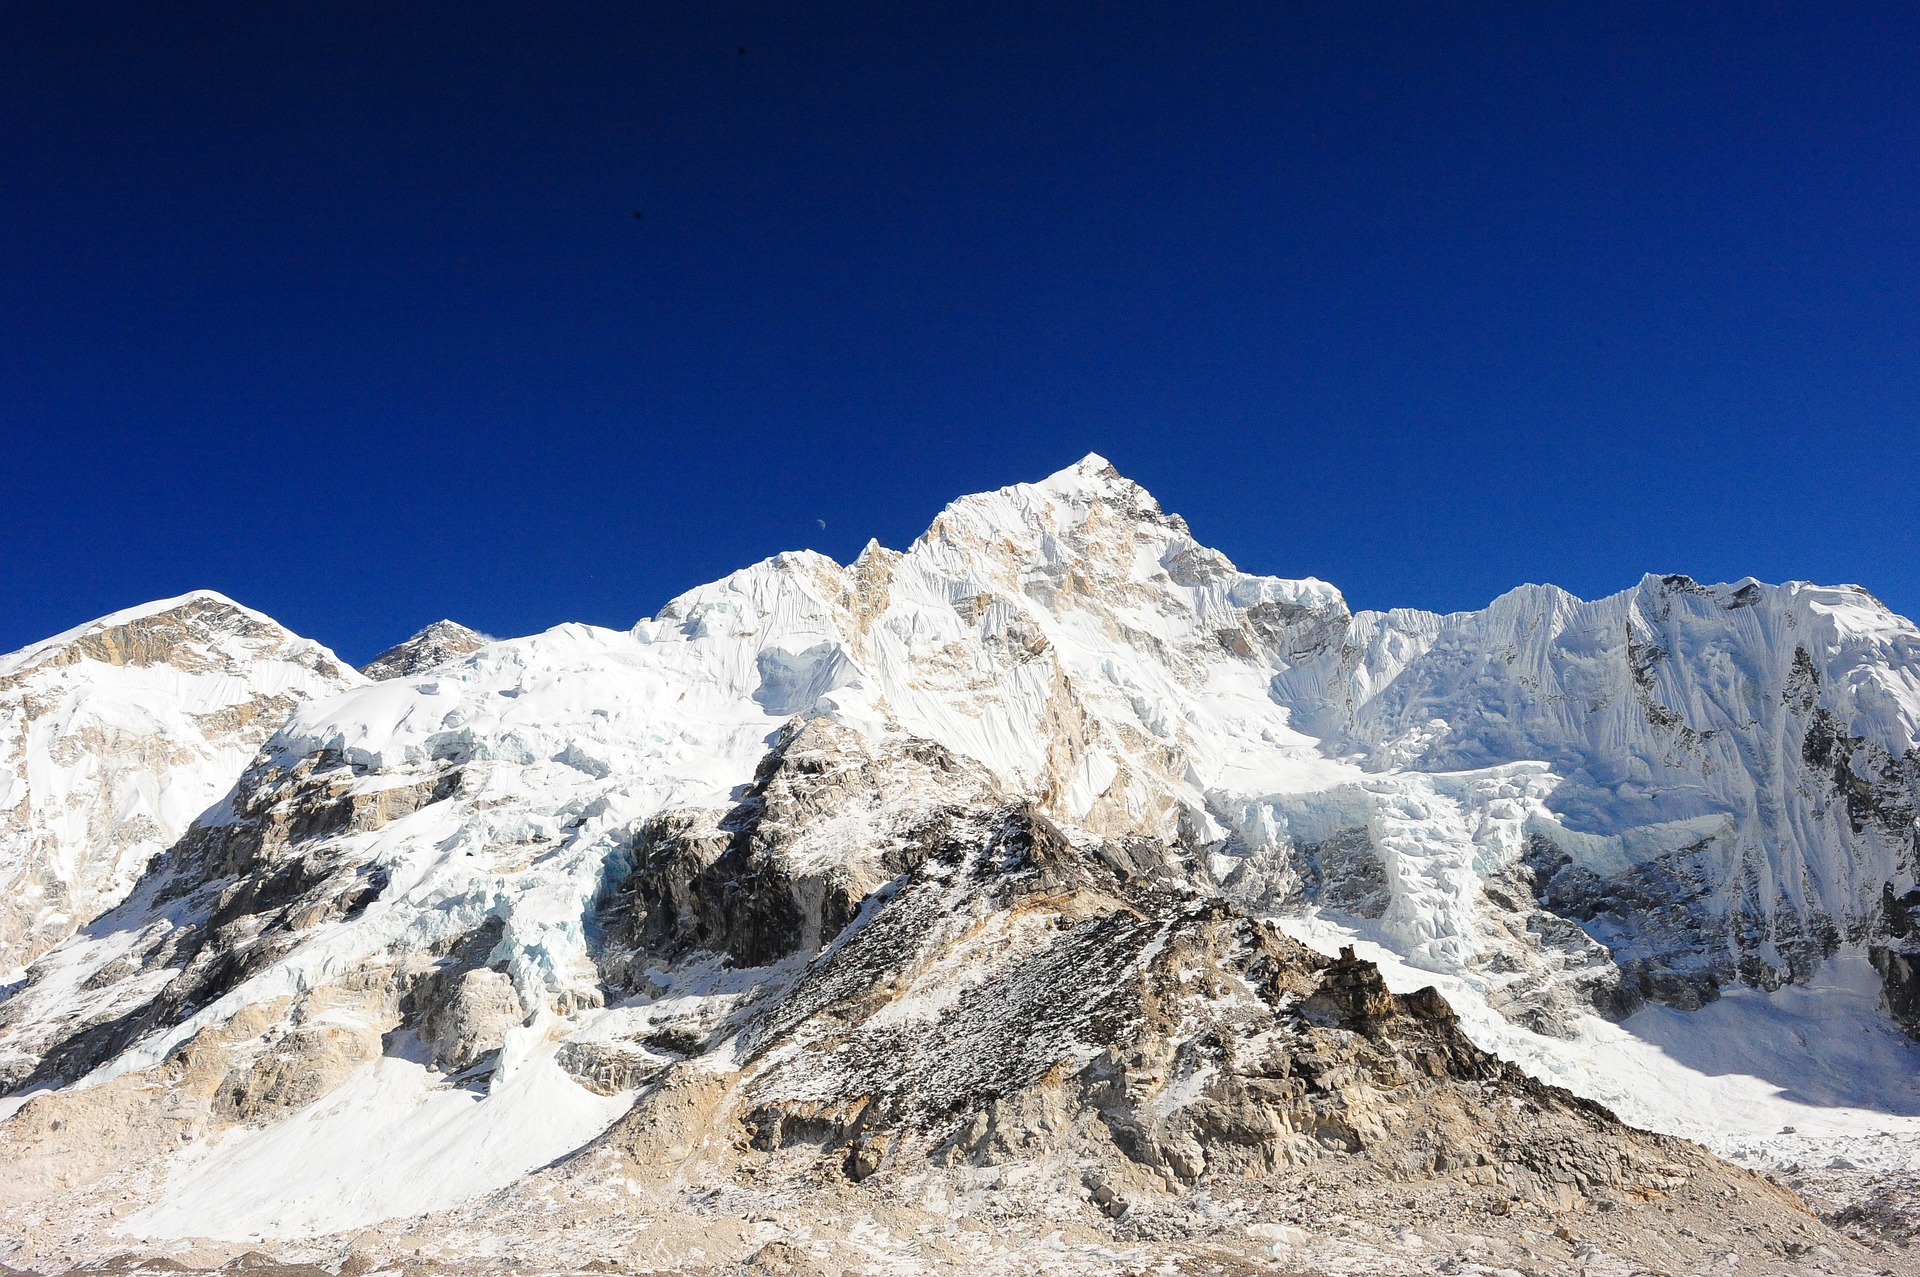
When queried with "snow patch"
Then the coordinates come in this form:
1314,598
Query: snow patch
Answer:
388,1142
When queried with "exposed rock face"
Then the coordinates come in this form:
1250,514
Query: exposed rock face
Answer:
470,1018
1016,988
439,643
226,903
823,826
292,1071
114,736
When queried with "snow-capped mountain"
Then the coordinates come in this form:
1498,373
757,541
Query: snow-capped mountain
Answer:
115,735
974,865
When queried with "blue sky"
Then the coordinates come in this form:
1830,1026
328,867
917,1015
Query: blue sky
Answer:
344,310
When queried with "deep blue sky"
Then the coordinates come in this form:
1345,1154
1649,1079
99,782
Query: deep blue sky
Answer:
343,309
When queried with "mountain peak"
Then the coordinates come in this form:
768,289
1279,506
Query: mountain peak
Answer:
437,644
194,603
1094,476
1091,470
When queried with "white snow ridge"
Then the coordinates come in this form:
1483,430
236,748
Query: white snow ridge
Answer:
554,924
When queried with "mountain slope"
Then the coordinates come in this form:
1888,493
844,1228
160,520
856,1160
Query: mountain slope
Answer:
115,735
874,983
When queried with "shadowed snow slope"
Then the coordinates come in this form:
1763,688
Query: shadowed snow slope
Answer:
572,869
